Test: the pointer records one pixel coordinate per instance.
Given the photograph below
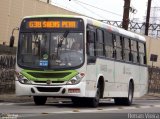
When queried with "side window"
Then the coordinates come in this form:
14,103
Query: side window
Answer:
91,43
127,55
108,45
119,47
134,51
142,57
100,43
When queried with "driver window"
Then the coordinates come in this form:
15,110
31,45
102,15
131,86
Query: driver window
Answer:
76,46
70,52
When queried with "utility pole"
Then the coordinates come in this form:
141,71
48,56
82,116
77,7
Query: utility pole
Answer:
148,17
126,14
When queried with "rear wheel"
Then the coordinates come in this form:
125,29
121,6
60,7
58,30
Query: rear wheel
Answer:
126,101
40,100
129,99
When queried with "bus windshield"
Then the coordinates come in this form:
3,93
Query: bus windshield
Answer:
51,50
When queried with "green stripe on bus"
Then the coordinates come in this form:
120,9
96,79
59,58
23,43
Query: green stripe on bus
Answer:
49,75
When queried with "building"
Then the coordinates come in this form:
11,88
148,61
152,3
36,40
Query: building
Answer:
13,11
153,47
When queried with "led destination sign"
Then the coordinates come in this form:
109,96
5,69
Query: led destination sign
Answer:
52,24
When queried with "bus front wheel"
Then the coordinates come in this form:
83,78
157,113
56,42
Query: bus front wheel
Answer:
40,100
94,102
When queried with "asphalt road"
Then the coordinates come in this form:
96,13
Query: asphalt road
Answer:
64,109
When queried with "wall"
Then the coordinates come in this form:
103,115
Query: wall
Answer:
13,11
7,69
153,47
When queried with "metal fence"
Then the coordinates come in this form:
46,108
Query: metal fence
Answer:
154,80
7,66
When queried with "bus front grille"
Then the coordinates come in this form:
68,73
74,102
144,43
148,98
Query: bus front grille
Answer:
48,89
52,82
49,75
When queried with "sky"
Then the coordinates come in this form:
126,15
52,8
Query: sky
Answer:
106,9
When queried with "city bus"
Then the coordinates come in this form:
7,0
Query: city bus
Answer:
80,58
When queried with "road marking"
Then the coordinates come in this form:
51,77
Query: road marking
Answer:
143,107
9,104
156,105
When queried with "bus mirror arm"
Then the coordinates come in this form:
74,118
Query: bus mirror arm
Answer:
11,43
91,59
12,38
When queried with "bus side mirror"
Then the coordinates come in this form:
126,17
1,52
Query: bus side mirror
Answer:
11,43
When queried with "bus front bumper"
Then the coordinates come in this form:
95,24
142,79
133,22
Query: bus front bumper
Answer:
77,90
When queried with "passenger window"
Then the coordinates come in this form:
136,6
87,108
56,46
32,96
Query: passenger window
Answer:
134,51
109,53
108,39
99,36
90,36
91,43
119,48
127,50
100,43
142,57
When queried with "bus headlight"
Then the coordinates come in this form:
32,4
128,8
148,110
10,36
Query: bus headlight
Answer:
22,79
76,79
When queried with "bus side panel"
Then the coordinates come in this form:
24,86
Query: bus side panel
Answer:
120,82
124,72
106,69
91,80
143,80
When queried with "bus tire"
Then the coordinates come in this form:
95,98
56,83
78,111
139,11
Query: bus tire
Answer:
126,101
79,101
129,99
76,101
94,102
39,100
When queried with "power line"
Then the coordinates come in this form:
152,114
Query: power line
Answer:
65,7
91,11
75,9
99,8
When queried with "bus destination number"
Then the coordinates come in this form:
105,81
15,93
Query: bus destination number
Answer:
52,24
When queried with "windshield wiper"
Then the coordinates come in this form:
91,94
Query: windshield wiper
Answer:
61,40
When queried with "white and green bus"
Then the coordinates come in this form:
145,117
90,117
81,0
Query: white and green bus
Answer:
79,58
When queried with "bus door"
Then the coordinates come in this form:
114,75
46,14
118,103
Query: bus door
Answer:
91,63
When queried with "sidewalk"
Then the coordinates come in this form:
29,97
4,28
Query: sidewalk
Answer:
14,98
151,96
